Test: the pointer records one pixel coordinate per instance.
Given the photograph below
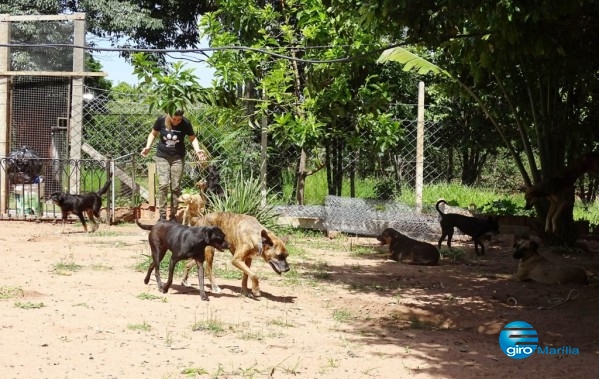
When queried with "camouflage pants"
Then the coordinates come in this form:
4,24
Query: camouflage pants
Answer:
170,171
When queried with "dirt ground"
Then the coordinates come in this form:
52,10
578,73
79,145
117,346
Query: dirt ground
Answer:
74,305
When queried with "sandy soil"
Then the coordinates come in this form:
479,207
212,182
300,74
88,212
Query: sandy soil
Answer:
74,305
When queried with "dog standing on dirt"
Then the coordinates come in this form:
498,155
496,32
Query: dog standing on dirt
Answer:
184,242
89,202
404,248
472,226
533,266
247,239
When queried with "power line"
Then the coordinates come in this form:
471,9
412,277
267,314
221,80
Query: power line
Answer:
205,50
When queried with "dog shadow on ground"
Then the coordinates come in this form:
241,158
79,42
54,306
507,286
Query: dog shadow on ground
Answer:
229,291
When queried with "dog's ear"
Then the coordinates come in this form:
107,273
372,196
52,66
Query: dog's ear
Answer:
266,238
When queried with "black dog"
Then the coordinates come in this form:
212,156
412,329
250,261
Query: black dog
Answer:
213,187
89,202
472,226
184,242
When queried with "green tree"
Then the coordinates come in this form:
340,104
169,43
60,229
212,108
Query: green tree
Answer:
540,58
143,24
318,107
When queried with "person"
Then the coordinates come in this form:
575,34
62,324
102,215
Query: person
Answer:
170,155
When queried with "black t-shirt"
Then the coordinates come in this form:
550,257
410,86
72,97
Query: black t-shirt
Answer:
171,143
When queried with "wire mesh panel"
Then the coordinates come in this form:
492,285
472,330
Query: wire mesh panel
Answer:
36,56
371,217
39,120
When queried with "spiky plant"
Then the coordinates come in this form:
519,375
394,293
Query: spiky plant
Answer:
244,195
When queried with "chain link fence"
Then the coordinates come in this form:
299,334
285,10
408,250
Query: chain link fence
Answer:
115,127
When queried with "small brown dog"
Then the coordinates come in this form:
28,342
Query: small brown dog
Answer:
195,204
533,266
406,249
247,239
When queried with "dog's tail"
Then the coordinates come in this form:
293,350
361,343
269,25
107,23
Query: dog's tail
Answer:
143,226
437,206
103,190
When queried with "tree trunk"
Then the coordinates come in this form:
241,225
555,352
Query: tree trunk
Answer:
301,179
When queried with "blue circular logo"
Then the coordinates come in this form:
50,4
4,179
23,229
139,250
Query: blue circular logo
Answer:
518,340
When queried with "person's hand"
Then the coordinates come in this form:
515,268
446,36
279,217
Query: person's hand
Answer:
145,151
201,155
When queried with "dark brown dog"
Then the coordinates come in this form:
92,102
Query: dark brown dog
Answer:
89,202
184,242
404,248
247,239
472,226
533,266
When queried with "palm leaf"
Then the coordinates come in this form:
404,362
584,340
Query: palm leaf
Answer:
411,61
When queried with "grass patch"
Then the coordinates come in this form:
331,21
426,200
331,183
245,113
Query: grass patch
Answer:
29,305
105,233
356,251
282,323
292,277
342,315
143,327
297,252
194,371
246,334
100,267
453,254
149,296
10,292
215,327
321,271
66,266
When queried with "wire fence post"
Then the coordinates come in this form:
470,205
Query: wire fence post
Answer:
420,148
263,151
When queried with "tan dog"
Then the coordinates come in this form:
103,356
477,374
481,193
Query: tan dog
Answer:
533,266
195,204
406,249
247,239
557,189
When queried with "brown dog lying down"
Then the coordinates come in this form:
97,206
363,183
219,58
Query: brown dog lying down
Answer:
247,239
406,249
184,242
533,266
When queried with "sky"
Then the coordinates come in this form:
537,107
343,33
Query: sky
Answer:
119,70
